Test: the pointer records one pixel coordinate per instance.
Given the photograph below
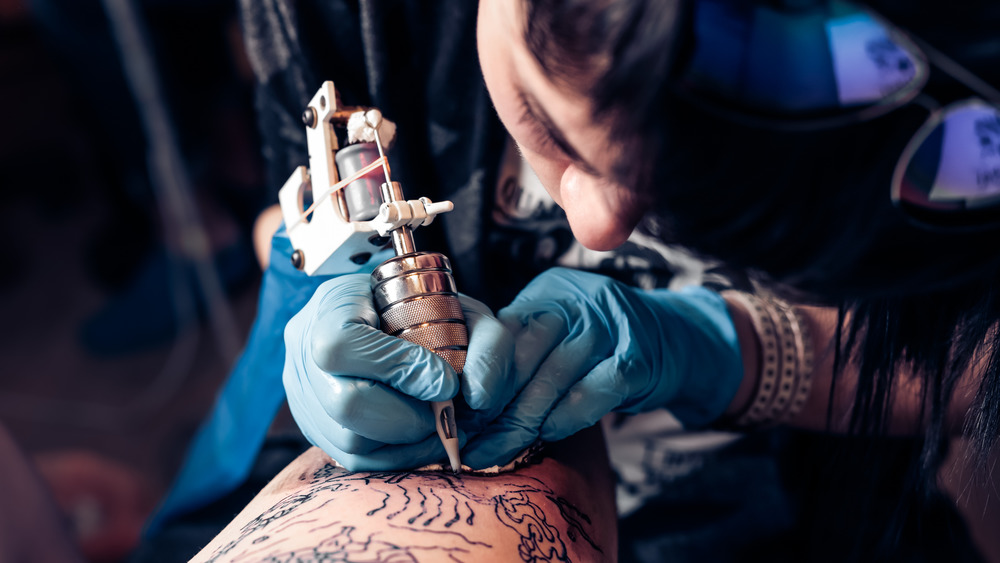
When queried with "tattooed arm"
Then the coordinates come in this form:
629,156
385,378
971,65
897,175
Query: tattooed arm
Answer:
558,509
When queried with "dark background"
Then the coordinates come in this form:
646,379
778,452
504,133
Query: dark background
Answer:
100,383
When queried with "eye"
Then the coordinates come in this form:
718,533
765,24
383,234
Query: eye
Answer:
548,141
542,137
545,141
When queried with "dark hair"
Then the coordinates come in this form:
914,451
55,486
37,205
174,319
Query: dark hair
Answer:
805,210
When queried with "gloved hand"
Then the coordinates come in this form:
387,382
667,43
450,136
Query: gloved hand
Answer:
363,396
590,345
222,453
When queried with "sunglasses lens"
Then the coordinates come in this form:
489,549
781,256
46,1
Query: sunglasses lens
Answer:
949,174
817,67
871,63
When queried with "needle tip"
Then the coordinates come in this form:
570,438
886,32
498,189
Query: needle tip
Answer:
453,459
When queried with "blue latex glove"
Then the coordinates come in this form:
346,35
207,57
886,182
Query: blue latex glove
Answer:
590,345
223,451
363,396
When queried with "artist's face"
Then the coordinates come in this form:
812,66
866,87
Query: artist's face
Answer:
554,130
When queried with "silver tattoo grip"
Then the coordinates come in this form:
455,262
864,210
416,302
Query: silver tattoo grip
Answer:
417,300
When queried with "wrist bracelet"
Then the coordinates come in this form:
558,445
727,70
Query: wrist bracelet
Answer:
786,362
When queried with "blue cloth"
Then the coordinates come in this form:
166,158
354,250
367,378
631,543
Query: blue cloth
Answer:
225,446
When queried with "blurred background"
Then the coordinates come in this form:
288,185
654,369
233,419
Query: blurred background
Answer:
110,356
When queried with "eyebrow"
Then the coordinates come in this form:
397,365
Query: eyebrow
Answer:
533,110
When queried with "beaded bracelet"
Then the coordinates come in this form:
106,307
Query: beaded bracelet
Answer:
805,356
786,362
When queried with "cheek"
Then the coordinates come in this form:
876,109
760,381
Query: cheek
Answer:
497,68
498,75
548,170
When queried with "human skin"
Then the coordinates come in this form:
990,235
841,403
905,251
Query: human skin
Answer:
267,223
602,214
560,508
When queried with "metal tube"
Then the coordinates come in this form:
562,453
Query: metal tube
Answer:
402,241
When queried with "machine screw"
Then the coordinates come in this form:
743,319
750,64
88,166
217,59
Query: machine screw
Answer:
309,117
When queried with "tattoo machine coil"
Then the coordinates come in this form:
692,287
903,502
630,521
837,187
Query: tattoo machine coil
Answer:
348,221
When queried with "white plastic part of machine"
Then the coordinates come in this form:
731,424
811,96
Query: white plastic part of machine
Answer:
327,241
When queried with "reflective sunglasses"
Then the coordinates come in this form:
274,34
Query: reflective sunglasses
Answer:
838,64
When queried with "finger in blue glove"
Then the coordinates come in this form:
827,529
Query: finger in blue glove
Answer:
591,345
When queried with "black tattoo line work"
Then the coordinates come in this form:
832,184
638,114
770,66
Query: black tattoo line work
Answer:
440,506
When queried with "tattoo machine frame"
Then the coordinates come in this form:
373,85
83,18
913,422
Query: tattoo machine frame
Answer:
348,221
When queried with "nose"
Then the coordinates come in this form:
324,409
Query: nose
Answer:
601,213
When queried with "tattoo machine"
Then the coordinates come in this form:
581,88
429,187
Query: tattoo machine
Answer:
348,221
